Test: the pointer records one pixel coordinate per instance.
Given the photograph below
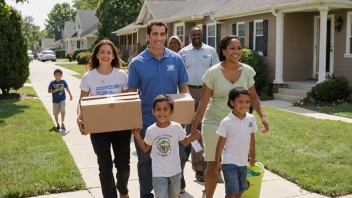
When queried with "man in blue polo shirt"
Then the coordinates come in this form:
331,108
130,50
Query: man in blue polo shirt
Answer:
155,71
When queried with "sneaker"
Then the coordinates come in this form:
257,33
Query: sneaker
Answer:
200,176
58,126
182,191
63,127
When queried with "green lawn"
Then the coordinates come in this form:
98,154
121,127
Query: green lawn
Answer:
81,69
34,159
62,60
344,110
315,154
28,91
28,80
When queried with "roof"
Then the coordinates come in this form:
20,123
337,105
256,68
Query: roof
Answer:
91,30
163,9
248,7
129,28
57,42
88,21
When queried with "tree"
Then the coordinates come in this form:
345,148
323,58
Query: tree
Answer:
58,16
85,4
14,61
31,31
115,14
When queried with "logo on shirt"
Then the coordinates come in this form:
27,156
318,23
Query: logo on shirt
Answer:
163,143
107,89
60,88
205,56
250,124
170,67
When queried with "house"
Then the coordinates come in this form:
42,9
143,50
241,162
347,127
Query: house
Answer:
84,31
45,43
58,41
180,17
300,40
67,32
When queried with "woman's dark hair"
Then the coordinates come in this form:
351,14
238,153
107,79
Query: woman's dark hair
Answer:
155,23
164,98
224,43
235,93
93,61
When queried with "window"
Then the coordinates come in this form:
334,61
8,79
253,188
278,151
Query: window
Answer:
240,32
349,36
78,44
258,36
179,31
211,35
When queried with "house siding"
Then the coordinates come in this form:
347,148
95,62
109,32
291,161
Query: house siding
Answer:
188,26
298,46
90,41
342,65
226,29
142,35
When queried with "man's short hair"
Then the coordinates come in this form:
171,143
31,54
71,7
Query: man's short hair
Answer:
155,23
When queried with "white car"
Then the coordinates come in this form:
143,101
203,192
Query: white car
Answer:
30,55
47,55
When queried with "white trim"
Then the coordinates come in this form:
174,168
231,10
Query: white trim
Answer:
315,45
237,30
254,33
279,48
211,24
348,35
182,24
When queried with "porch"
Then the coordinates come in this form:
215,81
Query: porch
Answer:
294,91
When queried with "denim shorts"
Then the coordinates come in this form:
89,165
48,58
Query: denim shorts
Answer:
235,178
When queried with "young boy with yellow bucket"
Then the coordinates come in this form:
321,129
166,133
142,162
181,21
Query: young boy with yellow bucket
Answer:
236,140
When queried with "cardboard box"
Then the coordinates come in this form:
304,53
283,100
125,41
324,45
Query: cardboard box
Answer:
183,108
111,112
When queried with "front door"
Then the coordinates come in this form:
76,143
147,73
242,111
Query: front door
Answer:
329,46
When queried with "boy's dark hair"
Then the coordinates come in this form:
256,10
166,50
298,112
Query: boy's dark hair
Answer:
155,23
235,93
57,71
164,98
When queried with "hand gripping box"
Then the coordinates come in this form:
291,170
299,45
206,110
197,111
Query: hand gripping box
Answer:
111,112
183,108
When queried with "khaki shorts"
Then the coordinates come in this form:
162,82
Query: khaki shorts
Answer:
59,108
210,140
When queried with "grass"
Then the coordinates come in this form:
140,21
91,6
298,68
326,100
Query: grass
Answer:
315,154
34,160
81,69
28,91
28,80
62,60
344,110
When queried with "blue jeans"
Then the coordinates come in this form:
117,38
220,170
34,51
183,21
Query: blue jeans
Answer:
144,169
167,187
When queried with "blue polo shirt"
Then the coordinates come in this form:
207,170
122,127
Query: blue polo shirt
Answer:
153,77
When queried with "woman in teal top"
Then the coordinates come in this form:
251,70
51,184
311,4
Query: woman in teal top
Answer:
217,82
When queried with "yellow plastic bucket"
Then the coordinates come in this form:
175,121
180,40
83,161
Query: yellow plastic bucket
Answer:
254,180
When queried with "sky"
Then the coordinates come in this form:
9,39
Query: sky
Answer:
38,9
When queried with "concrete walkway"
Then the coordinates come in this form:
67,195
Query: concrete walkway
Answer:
82,152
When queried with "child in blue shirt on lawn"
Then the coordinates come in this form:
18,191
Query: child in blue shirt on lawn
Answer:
164,137
57,88
236,133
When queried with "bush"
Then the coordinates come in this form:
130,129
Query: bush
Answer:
253,59
76,52
332,89
78,56
60,53
83,58
14,61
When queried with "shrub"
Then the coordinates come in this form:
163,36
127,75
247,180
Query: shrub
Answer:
14,61
78,56
332,89
60,53
253,59
83,58
67,55
76,52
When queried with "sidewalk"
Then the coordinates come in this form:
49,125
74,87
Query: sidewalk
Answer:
82,152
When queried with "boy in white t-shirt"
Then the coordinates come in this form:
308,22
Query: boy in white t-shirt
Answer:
236,133
164,137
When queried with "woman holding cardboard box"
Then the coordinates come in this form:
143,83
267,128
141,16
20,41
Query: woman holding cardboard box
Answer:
217,82
105,77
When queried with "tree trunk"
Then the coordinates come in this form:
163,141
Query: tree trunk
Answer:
3,91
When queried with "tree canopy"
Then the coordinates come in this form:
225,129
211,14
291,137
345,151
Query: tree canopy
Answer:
85,4
58,16
115,14
31,32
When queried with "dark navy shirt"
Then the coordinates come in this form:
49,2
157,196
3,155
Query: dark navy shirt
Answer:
60,95
153,77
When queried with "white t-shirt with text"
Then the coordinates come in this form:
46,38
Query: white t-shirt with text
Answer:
238,135
165,148
99,84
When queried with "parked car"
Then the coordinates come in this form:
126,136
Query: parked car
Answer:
30,55
47,55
